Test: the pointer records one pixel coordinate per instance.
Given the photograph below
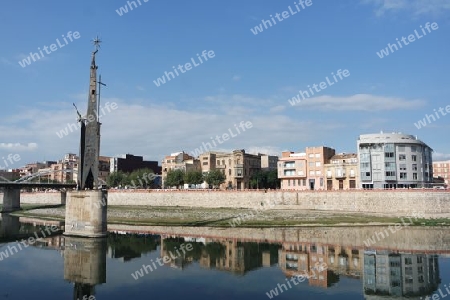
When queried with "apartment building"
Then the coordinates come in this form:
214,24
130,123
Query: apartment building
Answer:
237,166
442,169
65,170
304,170
179,161
342,172
394,160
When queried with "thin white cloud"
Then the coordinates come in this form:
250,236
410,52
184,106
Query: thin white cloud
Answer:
236,78
6,61
437,156
18,146
140,88
415,7
360,102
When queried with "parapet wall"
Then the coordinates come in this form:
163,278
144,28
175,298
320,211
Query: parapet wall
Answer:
396,202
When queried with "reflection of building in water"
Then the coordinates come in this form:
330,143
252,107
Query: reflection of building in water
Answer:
127,247
237,257
85,264
222,254
400,274
302,259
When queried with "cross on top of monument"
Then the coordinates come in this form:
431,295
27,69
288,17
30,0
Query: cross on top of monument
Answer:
96,41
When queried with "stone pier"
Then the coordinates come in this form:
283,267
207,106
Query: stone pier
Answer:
11,200
86,213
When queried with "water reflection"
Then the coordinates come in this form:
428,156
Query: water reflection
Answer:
400,274
388,272
84,264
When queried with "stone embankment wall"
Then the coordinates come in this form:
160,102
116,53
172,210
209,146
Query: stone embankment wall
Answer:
396,202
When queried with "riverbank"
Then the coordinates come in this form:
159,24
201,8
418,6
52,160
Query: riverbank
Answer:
227,217
429,204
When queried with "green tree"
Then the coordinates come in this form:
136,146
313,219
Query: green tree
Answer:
115,179
174,178
142,178
273,182
215,178
193,177
265,180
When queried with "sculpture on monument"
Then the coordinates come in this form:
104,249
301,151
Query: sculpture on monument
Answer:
90,133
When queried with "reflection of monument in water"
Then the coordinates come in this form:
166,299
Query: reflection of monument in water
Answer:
85,264
400,274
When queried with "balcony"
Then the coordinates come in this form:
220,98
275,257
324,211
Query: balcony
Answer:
238,173
340,173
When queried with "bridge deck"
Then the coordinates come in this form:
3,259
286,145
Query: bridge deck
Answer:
20,185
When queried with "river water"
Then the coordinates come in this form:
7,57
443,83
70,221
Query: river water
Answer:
219,263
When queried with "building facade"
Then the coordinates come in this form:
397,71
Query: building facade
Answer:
237,166
179,161
131,163
442,169
304,170
342,172
394,160
269,162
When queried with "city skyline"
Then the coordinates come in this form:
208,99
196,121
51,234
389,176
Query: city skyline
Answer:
251,78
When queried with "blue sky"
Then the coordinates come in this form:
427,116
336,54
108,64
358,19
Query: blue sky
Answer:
250,78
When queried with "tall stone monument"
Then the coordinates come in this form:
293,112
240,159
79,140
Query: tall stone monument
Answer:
86,207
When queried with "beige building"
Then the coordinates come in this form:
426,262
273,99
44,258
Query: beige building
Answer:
442,169
304,170
342,172
66,169
179,161
238,167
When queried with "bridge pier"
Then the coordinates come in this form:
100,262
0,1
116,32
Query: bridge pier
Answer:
11,199
63,197
86,213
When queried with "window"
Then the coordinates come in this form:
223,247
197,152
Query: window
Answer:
402,157
205,163
218,162
205,158
317,163
229,172
414,157
318,173
311,173
413,149
317,155
389,154
414,167
311,155
408,261
401,148
402,167
390,173
368,174
415,176
300,173
311,164
403,175
365,165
